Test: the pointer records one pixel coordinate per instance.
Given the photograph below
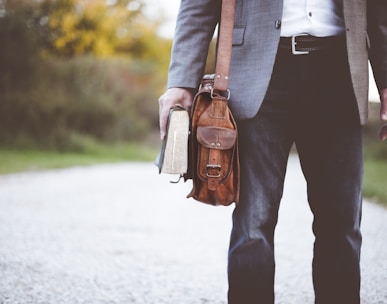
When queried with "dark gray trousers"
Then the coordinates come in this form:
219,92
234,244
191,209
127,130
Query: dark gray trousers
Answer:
310,102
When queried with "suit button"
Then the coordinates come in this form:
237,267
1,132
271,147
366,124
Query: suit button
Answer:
277,24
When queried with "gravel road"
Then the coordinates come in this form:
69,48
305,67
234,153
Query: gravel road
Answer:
123,234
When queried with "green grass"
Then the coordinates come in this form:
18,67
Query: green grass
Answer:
17,160
375,180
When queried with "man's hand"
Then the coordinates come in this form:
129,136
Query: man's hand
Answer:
172,97
383,114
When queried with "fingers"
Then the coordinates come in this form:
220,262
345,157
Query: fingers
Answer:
163,120
383,114
383,105
171,98
383,133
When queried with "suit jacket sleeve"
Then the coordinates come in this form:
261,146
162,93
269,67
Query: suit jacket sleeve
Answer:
195,27
377,31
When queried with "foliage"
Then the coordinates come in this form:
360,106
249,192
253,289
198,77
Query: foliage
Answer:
107,99
68,28
90,26
73,68
19,44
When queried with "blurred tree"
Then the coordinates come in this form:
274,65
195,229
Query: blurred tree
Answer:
53,86
68,28
81,27
19,42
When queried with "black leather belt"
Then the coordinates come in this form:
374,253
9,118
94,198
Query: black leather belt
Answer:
304,44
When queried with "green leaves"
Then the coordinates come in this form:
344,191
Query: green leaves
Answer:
88,67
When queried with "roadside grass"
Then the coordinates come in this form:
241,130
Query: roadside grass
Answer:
375,158
17,160
14,159
375,181
375,177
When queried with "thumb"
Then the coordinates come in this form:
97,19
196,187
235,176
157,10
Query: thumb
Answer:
383,105
383,133
383,113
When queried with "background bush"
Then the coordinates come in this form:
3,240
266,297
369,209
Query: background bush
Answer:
74,70
106,99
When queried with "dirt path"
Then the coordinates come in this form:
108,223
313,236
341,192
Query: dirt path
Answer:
123,234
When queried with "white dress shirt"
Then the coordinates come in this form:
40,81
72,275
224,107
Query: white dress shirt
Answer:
319,18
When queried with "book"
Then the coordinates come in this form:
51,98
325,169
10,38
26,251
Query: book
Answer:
173,156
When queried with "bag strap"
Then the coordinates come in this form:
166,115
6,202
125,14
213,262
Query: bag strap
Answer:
222,69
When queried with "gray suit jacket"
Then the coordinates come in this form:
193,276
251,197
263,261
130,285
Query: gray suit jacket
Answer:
255,42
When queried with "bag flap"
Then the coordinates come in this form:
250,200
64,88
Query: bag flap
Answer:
216,137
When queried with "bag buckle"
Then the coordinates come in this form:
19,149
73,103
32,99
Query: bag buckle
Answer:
294,45
211,168
227,97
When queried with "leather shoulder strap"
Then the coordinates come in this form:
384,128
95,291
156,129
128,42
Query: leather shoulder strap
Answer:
222,69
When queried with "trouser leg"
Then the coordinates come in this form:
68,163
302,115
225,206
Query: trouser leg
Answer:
329,142
251,254
265,142
310,99
334,177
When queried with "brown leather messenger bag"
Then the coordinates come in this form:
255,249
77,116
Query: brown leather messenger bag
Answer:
213,143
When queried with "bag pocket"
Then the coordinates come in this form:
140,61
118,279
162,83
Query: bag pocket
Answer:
215,152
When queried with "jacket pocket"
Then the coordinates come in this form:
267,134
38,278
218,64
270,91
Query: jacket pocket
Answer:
239,35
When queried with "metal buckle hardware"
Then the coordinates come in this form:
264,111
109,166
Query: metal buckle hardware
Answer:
226,97
294,43
218,167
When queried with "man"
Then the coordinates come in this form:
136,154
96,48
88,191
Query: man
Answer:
299,74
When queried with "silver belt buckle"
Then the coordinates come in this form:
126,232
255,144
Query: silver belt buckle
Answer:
294,43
